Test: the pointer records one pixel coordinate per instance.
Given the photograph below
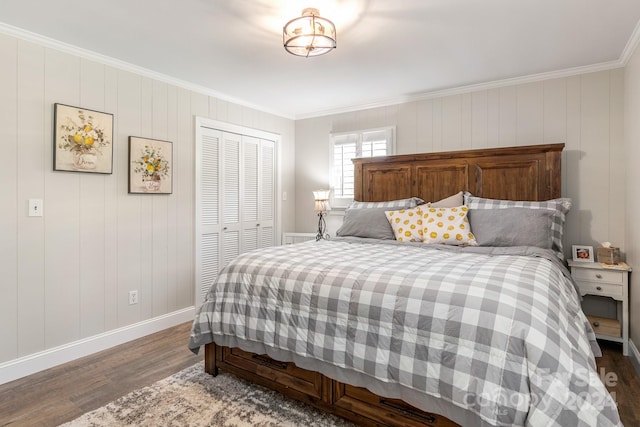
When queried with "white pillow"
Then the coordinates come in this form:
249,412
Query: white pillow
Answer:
449,202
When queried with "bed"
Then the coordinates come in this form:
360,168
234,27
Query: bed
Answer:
388,332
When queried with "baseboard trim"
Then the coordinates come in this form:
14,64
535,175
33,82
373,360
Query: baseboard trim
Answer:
36,362
634,356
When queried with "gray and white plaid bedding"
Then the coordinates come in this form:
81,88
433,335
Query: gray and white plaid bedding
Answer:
502,336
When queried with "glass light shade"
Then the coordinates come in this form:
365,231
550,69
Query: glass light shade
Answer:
321,200
309,35
322,206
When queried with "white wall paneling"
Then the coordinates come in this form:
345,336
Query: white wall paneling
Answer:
584,112
10,208
29,179
617,204
62,220
66,276
112,190
632,177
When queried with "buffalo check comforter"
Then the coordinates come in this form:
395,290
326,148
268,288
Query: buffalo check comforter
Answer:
496,332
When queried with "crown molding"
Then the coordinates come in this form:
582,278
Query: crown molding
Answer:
631,45
50,43
568,72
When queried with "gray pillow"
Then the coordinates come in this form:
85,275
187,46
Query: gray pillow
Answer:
560,207
411,202
368,222
512,227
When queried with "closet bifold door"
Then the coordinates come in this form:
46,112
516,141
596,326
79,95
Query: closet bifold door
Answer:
250,193
267,193
235,200
257,193
231,197
208,214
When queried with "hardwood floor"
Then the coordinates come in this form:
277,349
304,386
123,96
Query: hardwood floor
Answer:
65,392
618,369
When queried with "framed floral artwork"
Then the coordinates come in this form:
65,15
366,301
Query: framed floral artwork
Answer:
150,166
83,140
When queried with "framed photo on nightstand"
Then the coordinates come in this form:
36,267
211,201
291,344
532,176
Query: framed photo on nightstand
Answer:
582,253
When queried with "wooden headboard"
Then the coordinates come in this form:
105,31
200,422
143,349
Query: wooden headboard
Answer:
512,173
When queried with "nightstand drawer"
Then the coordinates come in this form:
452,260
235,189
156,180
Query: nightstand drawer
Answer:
603,289
598,275
604,326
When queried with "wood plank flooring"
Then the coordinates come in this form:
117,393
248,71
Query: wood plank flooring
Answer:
65,392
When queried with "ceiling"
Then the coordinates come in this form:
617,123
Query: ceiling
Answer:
388,51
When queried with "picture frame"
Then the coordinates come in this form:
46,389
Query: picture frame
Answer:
582,253
150,166
82,140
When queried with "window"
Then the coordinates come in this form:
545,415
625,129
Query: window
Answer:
348,145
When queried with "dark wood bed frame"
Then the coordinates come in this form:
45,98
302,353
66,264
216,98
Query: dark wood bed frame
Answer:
514,173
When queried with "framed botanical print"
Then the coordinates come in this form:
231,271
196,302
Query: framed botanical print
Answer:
83,140
150,166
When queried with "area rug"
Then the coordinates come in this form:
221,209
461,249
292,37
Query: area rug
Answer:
194,398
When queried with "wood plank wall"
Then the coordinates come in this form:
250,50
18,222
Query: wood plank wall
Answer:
585,112
66,276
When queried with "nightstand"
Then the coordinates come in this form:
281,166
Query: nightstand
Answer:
608,281
289,238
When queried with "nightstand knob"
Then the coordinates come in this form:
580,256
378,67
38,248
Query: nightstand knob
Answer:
596,324
599,276
599,288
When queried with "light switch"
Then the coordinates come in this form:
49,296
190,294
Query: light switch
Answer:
284,196
35,207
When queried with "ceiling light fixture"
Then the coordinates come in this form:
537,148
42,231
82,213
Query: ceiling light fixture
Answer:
309,35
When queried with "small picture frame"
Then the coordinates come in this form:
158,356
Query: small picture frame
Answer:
582,253
150,166
82,140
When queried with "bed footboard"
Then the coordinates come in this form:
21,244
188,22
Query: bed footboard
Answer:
353,403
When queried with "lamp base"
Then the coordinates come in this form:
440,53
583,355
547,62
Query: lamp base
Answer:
322,227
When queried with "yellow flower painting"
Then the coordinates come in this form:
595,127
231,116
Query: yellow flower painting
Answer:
150,166
83,140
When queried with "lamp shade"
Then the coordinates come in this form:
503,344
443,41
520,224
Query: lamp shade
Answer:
321,200
322,206
309,35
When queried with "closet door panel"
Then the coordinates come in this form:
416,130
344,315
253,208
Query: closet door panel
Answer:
267,193
230,246
250,147
209,177
250,193
231,181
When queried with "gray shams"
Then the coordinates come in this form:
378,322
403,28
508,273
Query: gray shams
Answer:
512,227
371,223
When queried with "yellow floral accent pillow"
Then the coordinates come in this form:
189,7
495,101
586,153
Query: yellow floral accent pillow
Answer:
407,224
448,226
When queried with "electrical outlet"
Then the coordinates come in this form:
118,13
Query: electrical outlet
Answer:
133,297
